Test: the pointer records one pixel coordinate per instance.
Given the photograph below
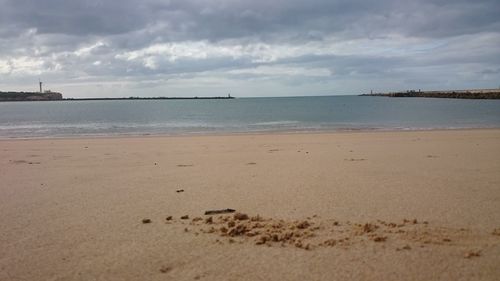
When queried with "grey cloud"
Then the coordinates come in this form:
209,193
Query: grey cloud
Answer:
93,17
224,19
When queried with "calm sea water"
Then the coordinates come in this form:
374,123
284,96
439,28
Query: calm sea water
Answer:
60,118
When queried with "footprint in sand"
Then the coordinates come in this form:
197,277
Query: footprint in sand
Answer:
24,162
355,159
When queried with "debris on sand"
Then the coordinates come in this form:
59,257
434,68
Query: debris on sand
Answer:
355,159
146,221
179,190
472,254
217,212
169,218
185,217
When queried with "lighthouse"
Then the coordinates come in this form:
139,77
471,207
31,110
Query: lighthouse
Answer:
40,83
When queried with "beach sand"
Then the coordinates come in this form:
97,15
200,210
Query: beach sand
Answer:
419,205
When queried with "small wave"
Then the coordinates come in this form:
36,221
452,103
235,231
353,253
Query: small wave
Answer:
276,123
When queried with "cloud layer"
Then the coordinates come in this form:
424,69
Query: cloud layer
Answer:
251,48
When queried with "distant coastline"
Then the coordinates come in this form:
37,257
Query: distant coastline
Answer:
55,96
452,94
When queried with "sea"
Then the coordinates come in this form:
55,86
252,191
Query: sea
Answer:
51,119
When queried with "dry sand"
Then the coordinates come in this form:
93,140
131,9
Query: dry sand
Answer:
333,206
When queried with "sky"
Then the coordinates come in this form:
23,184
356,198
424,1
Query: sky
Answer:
109,48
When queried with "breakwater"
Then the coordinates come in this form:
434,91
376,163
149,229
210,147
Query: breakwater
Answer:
452,94
150,98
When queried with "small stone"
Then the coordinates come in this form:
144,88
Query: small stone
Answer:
185,217
238,230
240,216
303,225
368,227
330,242
472,254
261,240
379,238
169,218
209,220
298,244
165,269
146,221
256,218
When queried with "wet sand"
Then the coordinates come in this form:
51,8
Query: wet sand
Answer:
422,205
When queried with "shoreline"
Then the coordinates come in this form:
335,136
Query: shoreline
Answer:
248,133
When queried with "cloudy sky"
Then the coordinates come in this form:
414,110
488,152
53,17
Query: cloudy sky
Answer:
96,48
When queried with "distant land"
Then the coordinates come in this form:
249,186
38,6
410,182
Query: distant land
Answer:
452,94
30,96
54,96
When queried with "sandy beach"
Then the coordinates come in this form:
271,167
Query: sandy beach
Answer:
416,205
